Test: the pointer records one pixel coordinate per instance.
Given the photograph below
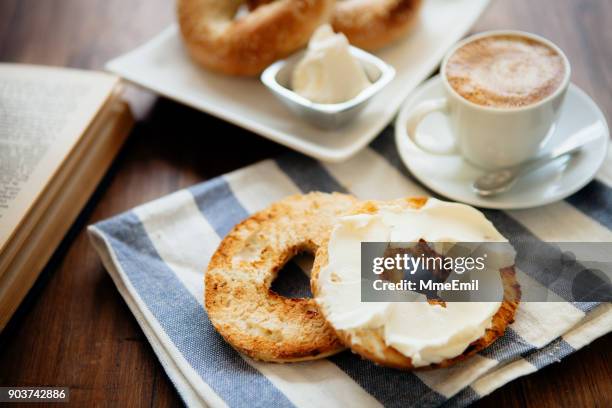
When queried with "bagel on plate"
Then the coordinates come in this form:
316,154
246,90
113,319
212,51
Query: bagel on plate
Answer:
370,24
373,24
219,38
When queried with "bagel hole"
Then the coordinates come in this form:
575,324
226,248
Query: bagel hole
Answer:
293,280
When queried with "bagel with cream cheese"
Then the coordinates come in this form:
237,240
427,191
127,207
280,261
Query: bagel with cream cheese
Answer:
370,339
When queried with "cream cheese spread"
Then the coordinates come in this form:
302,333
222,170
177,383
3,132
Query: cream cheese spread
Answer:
328,73
427,333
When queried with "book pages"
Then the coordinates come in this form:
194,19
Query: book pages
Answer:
61,203
44,112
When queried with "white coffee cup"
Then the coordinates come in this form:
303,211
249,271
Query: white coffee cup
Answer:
491,137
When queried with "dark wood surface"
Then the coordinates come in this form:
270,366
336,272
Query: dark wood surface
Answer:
75,330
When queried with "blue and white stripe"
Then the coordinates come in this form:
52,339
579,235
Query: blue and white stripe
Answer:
158,252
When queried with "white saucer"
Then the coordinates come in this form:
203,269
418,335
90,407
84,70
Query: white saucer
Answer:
451,176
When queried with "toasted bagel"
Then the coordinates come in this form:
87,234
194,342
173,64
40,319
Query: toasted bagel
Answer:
252,318
374,24
370,342
244,45
369,24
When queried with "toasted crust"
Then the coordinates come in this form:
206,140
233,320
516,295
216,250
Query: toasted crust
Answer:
370,24
370,343
374,24
252,318
220,41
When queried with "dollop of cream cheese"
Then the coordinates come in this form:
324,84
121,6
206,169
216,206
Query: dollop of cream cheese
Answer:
328,73
424,332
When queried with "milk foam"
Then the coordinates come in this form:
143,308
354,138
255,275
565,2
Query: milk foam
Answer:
505,71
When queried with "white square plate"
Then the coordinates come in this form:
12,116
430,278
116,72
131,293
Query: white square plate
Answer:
163,66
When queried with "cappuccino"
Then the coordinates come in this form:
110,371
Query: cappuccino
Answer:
505,71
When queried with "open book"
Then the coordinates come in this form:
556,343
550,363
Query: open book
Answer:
59,131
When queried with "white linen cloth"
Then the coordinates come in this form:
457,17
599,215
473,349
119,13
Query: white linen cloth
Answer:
157,254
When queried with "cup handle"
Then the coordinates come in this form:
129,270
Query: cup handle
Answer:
416,116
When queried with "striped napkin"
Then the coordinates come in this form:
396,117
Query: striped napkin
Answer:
157,254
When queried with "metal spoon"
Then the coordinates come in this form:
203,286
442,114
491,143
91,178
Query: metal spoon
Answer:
499,181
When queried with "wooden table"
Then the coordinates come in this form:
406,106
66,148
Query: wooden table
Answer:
75,330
